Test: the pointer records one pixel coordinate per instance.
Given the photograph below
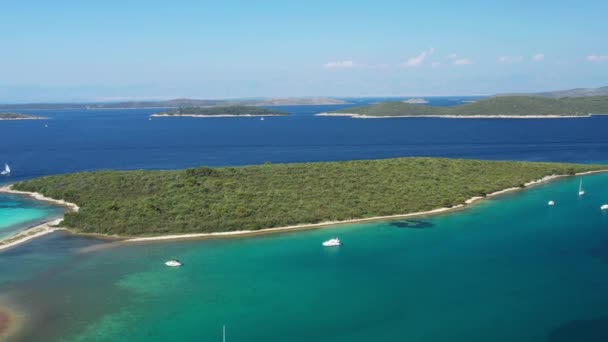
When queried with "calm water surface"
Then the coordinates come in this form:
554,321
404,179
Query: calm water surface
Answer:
509,269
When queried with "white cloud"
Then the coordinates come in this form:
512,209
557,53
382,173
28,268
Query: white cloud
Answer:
510,59
436,64
348,64
452,56
538,57
597,58
463,61
418,60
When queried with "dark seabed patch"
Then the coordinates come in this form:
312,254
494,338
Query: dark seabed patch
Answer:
414,224
593,330
4,323
600,250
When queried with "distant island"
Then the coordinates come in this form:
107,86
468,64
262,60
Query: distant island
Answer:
495,107
576,92
176,103
416,100
282,196
19,116
300,101
227,111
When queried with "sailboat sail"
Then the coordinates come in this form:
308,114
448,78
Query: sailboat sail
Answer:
7,170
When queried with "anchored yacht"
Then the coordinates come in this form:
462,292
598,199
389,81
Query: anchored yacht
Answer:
335,242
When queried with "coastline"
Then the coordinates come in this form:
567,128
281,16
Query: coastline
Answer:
214,116
38,230
17,119
8,189
30,233
307,226
363,116
49,227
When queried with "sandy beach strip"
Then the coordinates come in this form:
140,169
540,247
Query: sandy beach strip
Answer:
362,116
40,197
214,116
30,233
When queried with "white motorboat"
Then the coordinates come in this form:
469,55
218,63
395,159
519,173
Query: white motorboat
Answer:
6,171
581,192
604,207
173,263
551,203
335,242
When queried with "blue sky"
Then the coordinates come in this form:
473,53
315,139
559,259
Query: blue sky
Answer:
110,50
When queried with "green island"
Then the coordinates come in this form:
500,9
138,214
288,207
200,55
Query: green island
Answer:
205,200
18,116
501,106
222,111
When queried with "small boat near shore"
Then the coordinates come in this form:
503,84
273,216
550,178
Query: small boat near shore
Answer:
581,192
551,203
604,207
173,263
335,242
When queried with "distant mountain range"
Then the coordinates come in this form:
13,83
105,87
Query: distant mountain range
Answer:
576,92
177,103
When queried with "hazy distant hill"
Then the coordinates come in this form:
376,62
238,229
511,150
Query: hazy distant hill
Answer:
576,92
176,103
300,101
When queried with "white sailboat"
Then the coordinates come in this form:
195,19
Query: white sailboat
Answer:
7,170
581,192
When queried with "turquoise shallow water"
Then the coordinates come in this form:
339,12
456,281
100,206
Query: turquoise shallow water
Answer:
17,213
508,269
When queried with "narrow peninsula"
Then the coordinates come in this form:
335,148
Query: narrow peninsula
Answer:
19,116
495,107
232,200
224,111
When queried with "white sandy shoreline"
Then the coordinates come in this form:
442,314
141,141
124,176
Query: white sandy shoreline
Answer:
39,230
362,116
213,116
49,227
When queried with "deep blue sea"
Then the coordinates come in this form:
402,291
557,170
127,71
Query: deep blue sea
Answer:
79,140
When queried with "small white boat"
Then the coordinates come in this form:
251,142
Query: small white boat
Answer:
335,242
262,118
551,203
604,207
6,171
173,263
581,192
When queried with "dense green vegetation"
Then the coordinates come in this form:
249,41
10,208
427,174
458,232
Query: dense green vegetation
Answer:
225,110
15,116
503,105
255,197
